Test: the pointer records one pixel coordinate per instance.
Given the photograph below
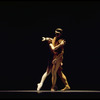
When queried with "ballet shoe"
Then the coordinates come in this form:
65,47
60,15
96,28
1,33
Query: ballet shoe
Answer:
39,85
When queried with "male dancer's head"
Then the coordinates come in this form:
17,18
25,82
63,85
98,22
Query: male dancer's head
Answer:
58,32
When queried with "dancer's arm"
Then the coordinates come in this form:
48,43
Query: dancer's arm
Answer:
58,46
48,39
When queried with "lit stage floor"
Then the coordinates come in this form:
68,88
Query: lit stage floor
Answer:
42,94
47,91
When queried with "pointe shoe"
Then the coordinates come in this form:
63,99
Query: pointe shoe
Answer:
39,85
67,87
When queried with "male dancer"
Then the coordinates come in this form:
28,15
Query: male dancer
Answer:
55,63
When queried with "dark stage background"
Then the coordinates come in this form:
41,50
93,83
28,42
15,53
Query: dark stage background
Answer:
24,57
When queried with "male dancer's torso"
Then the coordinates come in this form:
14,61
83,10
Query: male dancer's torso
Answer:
54,54
60,50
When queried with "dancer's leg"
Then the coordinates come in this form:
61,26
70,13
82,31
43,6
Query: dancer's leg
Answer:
64,79
44,76
54,73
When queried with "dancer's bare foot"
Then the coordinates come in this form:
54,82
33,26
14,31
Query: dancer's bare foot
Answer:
52,89
67,87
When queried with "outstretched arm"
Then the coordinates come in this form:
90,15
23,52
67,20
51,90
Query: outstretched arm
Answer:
48,39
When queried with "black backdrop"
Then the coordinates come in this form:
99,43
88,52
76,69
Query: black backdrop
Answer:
24,57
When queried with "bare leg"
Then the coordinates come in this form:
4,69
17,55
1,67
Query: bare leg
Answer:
44,76
54,78
63,78
54,73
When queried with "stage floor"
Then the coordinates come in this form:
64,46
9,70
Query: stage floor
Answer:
42,94
47,91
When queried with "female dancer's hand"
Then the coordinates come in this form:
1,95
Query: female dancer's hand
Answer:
43,38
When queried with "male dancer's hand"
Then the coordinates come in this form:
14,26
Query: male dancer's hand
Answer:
63,42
